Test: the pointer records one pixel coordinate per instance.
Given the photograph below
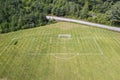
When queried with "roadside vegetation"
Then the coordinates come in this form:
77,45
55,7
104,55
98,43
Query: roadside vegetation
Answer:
98,11
23,14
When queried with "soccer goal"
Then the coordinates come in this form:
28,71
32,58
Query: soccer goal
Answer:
64,36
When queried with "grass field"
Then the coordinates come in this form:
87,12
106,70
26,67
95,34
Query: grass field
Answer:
39,54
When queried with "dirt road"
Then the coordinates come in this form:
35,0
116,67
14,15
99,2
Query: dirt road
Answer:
84,22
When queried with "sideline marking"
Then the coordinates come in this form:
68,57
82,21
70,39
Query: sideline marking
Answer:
98,46
56,55
79,54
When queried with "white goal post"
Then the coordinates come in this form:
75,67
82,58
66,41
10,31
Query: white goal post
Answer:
64,36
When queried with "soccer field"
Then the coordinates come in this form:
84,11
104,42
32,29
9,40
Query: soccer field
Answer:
60,51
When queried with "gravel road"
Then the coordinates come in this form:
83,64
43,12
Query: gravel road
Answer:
84,22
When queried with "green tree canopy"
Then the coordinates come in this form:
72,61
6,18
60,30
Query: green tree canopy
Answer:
115,13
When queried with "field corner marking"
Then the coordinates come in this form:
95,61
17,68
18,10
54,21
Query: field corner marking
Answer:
7,46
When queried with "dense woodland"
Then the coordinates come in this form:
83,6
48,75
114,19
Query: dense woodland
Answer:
23,14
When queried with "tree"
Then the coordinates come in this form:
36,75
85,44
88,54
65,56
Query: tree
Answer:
21,14
106,6
115,13
84,11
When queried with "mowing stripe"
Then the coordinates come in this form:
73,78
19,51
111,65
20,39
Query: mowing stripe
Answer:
6,47
98,46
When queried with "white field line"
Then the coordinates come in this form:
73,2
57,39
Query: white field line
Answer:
69,38
32,44
98,47
15,38
27,36
23,44
78,40
117,40
98,44
73,55
66,58
50,39
6,47
52,54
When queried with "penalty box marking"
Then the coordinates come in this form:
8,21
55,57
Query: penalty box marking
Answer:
99,48
86,38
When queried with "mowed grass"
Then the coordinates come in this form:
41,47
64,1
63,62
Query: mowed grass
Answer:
39,54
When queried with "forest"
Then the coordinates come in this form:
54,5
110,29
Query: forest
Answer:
23,14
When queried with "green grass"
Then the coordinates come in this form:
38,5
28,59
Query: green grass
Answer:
38,54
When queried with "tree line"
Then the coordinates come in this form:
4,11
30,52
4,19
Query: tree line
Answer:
22,14
99,11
